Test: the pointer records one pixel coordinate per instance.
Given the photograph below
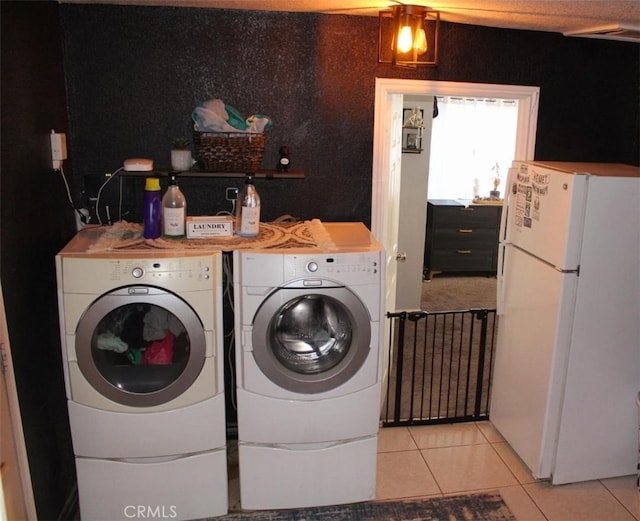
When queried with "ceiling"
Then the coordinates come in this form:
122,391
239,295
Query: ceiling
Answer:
611,19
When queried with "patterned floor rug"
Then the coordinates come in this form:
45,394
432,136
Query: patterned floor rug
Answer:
474,507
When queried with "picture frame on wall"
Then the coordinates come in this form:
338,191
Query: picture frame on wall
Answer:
412,127
413,117
412,140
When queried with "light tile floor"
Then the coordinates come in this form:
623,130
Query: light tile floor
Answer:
440,460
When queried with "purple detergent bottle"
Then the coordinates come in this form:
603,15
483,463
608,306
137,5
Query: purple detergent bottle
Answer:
152,208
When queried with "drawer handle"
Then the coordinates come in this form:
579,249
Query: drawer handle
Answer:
465,230
464,252
467,209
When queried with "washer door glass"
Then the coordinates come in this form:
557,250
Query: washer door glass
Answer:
311,334
140,346
311,341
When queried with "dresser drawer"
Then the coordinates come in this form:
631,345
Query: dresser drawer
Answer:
464,238
461,238
462,259
466,217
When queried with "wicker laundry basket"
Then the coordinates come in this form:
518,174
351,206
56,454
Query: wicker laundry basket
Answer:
229,151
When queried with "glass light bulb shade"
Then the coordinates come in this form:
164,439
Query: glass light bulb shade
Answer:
420,42
405,39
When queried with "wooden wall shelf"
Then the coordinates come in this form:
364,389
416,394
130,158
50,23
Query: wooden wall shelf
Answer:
293,173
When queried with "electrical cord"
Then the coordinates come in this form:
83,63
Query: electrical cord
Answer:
109,178
83,216
228,295
119,199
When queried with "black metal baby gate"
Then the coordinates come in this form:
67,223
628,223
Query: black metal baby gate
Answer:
440,366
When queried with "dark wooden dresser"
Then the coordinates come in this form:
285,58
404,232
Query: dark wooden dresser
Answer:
461,238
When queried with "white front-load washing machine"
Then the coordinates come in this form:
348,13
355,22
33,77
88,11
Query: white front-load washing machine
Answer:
308,368
142,352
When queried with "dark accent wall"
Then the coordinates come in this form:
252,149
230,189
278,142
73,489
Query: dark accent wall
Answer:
35,223
134,75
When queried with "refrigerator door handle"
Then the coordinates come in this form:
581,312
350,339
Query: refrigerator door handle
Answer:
500,280
550,264
506,203
503,242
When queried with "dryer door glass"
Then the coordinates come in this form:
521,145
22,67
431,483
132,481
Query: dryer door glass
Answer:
310,341
311,334
140,346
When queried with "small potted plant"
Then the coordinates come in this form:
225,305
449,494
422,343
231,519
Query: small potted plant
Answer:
181,159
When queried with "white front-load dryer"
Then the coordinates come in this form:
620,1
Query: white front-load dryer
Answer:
308,366
142,352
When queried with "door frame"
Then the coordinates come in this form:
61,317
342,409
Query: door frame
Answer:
384,178
17,497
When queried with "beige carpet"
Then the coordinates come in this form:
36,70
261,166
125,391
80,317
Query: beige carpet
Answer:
447,292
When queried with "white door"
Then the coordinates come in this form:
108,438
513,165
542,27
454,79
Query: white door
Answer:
386,198
387,149
413,212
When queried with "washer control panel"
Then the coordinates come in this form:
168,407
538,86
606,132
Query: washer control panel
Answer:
176,273
169,270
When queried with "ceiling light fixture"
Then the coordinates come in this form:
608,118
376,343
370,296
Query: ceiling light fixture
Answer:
408,36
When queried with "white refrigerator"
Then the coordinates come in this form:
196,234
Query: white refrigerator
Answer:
567,365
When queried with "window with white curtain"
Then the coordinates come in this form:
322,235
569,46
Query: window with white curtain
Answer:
472,143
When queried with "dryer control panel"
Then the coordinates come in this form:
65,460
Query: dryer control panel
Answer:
356,267
277,269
